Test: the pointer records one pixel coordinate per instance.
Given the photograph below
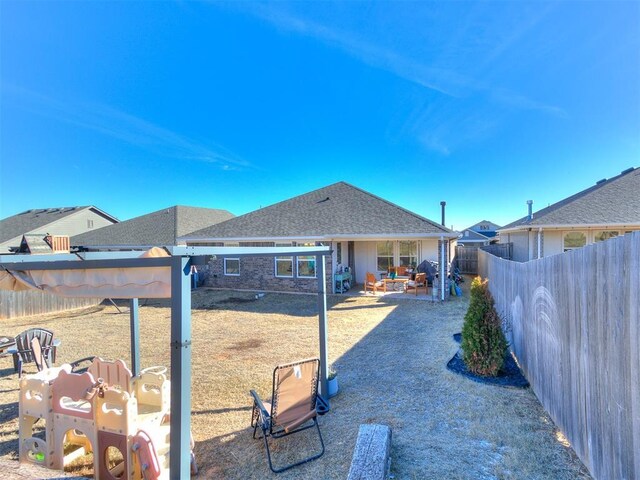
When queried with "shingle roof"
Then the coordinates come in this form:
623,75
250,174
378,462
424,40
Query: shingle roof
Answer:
473,236
158,228
613,201
31,220
338,209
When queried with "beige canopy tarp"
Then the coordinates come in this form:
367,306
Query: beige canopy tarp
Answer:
142,282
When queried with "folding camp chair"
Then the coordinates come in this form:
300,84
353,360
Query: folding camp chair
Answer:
292,406
23,351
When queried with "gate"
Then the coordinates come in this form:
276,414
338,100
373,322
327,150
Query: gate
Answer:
467,257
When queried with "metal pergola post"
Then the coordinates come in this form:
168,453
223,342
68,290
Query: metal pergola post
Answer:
134,323
180,368
322,327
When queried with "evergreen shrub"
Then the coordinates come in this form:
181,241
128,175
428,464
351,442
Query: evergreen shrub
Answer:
484,345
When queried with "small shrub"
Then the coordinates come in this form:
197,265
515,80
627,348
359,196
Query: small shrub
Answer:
483,342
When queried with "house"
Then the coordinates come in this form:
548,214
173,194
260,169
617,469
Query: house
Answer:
469,238
54,221
482,233
153,229
607,209
366,233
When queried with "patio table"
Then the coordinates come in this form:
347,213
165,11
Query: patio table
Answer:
396,281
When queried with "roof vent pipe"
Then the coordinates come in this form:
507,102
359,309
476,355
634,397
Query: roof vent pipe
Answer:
530,206
443,204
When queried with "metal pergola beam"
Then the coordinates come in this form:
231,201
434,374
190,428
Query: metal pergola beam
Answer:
79,264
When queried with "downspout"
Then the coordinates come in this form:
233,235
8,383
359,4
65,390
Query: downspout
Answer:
529,218
539,242
443,268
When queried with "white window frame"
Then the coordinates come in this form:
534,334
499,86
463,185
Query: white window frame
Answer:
565,233
417,256
225,267
596,232
306,258
282,259
392,256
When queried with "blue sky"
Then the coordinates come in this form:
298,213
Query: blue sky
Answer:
134,107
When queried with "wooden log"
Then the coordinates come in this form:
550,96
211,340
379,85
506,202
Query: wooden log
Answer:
371,456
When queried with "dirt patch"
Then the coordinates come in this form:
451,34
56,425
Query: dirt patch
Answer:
247,344
232,300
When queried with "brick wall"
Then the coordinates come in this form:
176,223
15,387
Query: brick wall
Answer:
258,273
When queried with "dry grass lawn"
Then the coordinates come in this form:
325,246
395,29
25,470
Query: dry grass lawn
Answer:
390,355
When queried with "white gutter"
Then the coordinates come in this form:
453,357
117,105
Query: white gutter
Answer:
575,226
317,238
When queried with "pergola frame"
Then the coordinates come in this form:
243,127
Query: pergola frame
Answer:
180,261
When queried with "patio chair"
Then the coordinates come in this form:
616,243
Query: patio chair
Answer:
23,350
292,406
419,282
401,271
372,284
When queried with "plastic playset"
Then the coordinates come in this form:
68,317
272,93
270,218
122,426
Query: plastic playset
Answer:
103,410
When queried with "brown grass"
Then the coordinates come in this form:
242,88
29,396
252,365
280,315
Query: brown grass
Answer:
390,356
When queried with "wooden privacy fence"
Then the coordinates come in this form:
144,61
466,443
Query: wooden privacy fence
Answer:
467,256
573,323
20,304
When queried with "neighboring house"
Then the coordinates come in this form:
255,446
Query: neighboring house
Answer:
54,221
482,233
469,238
607,209
485,228
161,228
366,232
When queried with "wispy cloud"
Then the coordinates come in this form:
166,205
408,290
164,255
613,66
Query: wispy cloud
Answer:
452,117
448,82
440,80
128,128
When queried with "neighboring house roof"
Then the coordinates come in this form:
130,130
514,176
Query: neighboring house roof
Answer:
338,210
473,237
157,228
486,228
38,219
35,244
609,202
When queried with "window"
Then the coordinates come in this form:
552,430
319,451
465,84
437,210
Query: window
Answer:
89,223
306,266
339,252
284,266
408,253
574,240
385,255
232,266
605,235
